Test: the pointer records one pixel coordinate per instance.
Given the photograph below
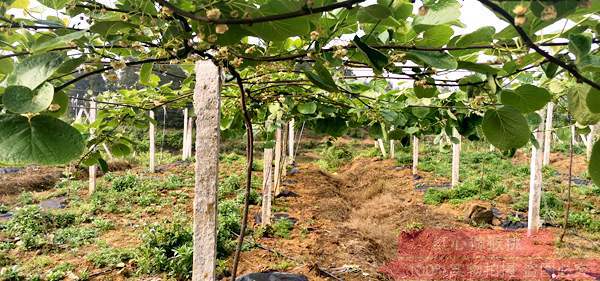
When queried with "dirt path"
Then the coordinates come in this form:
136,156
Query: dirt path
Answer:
349,221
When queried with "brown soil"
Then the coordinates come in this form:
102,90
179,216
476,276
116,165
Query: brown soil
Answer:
558,161
29,179
351,220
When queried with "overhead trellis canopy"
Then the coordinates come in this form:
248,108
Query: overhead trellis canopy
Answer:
353,63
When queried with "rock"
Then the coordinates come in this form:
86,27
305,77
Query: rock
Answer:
293,171
258,218
515,221
287,193
272,276
280,216
5,216
504,199
54,203
479,214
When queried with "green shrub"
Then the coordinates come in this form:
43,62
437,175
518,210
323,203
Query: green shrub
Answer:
173,182
434,196
282,228
334,156
74,236
125,182
229,185
255,197
110,257
59,272
103,224
26,198
11,273
30,224
161,247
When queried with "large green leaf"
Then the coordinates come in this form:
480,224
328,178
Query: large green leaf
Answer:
55,4
105,28
20,99
6,66
505,128
580,44
436,36
40,140
427,90
437,12
594,166
307,108
320,76
377,59
477,67
435,59
527,98
145,72
578,105
34,70
281,29
57,42
373,13
593,100
59,105
333,126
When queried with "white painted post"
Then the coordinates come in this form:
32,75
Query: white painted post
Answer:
590,141
456,158
548,133
415,155
382,148
190,133
206,107
392,149
267,189
184,155
92,170
152,135
110,155
573,134
535,181
291,141
278,160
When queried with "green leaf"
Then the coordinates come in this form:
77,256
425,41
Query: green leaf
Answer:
440,60
436,36
54,4
57,42
20,4
527,98
593,100
438,12
505,128
35,70
477,67
6,66
333,126
307,108
481,36
20,99
41,140
594,166
320,76
59,105
373,13
103,165
425,91
550,69
578,105
145,72
105,28
120,149
281,29
377,59
580,44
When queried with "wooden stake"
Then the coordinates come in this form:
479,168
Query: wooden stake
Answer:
548,133
535,181
382,148
190,133
278,160
152,133
92,170
456,158
184,155
291,141
392,149
206,107
267,189
415,155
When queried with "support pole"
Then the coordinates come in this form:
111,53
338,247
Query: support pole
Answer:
92,170
184,155
291,141
392,149
548,133
456,147
535,181
278,160
267,189
206,107
152,136
190,133
382,148
415,155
